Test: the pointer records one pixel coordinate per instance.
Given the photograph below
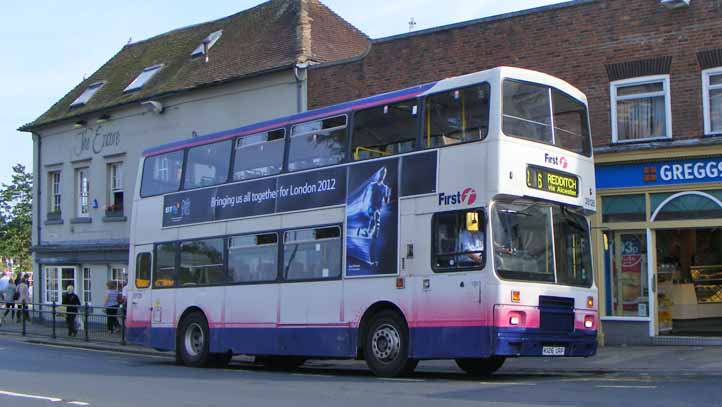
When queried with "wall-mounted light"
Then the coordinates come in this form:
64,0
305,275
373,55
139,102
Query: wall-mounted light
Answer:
102,119
80,123
153,106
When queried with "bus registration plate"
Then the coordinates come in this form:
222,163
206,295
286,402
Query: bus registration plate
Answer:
553,350
552,181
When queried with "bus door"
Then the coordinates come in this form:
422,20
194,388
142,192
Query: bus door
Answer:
449,297
162,299
138,303
311,297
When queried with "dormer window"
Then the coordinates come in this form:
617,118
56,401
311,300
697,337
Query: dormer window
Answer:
143,78
208,42
87,94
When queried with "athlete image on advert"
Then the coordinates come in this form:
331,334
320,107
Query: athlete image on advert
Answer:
372,218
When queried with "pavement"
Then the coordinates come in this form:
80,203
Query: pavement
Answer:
609,359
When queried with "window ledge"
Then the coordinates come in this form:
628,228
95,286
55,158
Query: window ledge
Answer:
81,220
110,219
53,221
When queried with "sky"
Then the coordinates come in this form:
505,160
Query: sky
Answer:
52,45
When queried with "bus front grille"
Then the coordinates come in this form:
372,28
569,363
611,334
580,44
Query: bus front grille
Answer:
557,314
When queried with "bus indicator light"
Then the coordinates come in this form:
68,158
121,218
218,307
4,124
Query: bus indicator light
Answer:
590,302
515,296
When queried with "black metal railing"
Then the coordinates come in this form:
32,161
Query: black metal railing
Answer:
81,322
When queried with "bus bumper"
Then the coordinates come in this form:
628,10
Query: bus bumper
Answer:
532,342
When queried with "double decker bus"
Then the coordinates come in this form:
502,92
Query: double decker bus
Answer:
443,221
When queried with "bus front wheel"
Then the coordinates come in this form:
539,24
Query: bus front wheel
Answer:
481,366
193,336
386,346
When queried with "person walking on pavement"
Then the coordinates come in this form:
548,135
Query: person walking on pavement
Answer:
23,298
111,305
71,302
11,295
4,281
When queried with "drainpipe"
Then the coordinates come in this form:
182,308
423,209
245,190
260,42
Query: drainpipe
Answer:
300,71
38,185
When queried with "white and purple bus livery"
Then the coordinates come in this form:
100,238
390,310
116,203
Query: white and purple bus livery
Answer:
443,221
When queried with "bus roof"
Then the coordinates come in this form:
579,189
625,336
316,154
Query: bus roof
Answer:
360,104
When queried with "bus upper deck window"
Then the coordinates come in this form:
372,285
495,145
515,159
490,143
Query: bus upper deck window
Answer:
385,130
527,112
317,143
259,155
207,164
162,173
456,116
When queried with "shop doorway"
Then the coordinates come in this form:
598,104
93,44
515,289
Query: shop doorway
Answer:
689,281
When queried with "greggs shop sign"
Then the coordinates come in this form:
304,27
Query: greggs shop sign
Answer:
655,173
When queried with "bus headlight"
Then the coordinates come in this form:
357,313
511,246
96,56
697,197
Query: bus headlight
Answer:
589,321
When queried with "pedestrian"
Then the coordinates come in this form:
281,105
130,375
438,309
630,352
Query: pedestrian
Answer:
23,298
4,281
71,302
10,295
111,305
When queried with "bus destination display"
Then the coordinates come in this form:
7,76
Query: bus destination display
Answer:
551,181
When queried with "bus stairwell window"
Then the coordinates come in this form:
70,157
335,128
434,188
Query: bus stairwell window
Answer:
317,143
456,116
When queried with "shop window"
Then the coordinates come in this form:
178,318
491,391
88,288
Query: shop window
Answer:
83,192
201,262
253,258
624,208
142,270
686,206
317,143
165,271
712,100
641,109
161,174
207,165
312,254
259,155
626,268
457,116
115,190
458,241
385,130
119,277
54,196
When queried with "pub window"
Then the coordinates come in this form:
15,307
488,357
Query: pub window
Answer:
201,262
712,100
317,143
312,254
87,286
624,208
641,109
385,130
456,116
458,241
253,258
207,164
115,190
165,271
83,195
259,155
161,173
54,204
142,270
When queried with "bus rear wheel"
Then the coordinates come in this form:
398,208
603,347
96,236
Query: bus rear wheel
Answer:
192,341
481,366
386,346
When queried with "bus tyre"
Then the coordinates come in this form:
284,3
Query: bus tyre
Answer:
193,340
481,366
386,346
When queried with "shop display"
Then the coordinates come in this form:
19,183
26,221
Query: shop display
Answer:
707,283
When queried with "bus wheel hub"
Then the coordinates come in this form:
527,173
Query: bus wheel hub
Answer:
386,343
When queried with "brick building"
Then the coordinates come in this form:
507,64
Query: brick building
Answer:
653,76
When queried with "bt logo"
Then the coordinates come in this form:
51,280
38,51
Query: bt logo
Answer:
558,161
467,196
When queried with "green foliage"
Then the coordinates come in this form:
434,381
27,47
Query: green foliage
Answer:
16,218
